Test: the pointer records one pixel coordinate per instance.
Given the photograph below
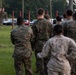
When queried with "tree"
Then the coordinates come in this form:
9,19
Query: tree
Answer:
0,3
33,5
70,5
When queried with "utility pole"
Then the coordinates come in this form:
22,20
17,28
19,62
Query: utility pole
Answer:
22,8
70,5
51,8
0,3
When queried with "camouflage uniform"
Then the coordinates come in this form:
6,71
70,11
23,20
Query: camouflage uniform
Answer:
2,16
42,32
70,31
58,47
21,37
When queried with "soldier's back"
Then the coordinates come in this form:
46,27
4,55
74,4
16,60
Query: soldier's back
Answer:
43,29
22,38
70,29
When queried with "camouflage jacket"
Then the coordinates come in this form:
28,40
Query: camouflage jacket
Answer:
42,30
3,15
58,47
70,29
21,37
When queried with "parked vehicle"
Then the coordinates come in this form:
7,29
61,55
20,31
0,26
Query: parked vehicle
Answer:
26,22
32,22
9,21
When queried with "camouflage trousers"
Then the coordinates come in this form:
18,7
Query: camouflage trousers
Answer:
58,73
41,65
18,64
73,67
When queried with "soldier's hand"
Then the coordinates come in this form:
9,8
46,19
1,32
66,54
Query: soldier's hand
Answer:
38,55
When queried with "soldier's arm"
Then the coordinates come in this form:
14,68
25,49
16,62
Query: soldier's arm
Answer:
72,47
12,40
65,29
31,32
5,16
33,41
45,51
50,30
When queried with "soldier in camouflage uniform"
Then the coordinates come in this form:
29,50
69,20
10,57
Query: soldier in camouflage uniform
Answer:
21,37
42,30
3,15
70,31
58,46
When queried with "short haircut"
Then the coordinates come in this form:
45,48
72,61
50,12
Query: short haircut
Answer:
58,18
40,11
69,13
19,20
58,29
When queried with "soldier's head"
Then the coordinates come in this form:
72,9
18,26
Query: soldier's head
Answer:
58,18
64,16
69,13
19,21
40,12
58,29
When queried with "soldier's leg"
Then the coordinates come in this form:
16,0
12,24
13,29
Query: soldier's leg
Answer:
18,66
66,73
52,72
37,70
58,73
40,63
45,65
28,68
73,72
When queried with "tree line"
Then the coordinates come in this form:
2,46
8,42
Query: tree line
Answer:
33,5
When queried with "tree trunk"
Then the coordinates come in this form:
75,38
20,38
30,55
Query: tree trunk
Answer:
0,3
22,8
70,5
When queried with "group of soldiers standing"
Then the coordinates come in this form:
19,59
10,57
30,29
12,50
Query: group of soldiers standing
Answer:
53,51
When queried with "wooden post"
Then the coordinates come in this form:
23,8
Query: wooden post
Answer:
51,8
20,14
70,5
29,17
22,8
0,3
12,19
56,13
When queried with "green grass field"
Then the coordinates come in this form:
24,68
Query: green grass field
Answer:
6,50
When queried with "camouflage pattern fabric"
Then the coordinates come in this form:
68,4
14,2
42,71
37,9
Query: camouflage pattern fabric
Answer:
2,16
58,47
42,30
70,31
19,66
21,37
56,73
